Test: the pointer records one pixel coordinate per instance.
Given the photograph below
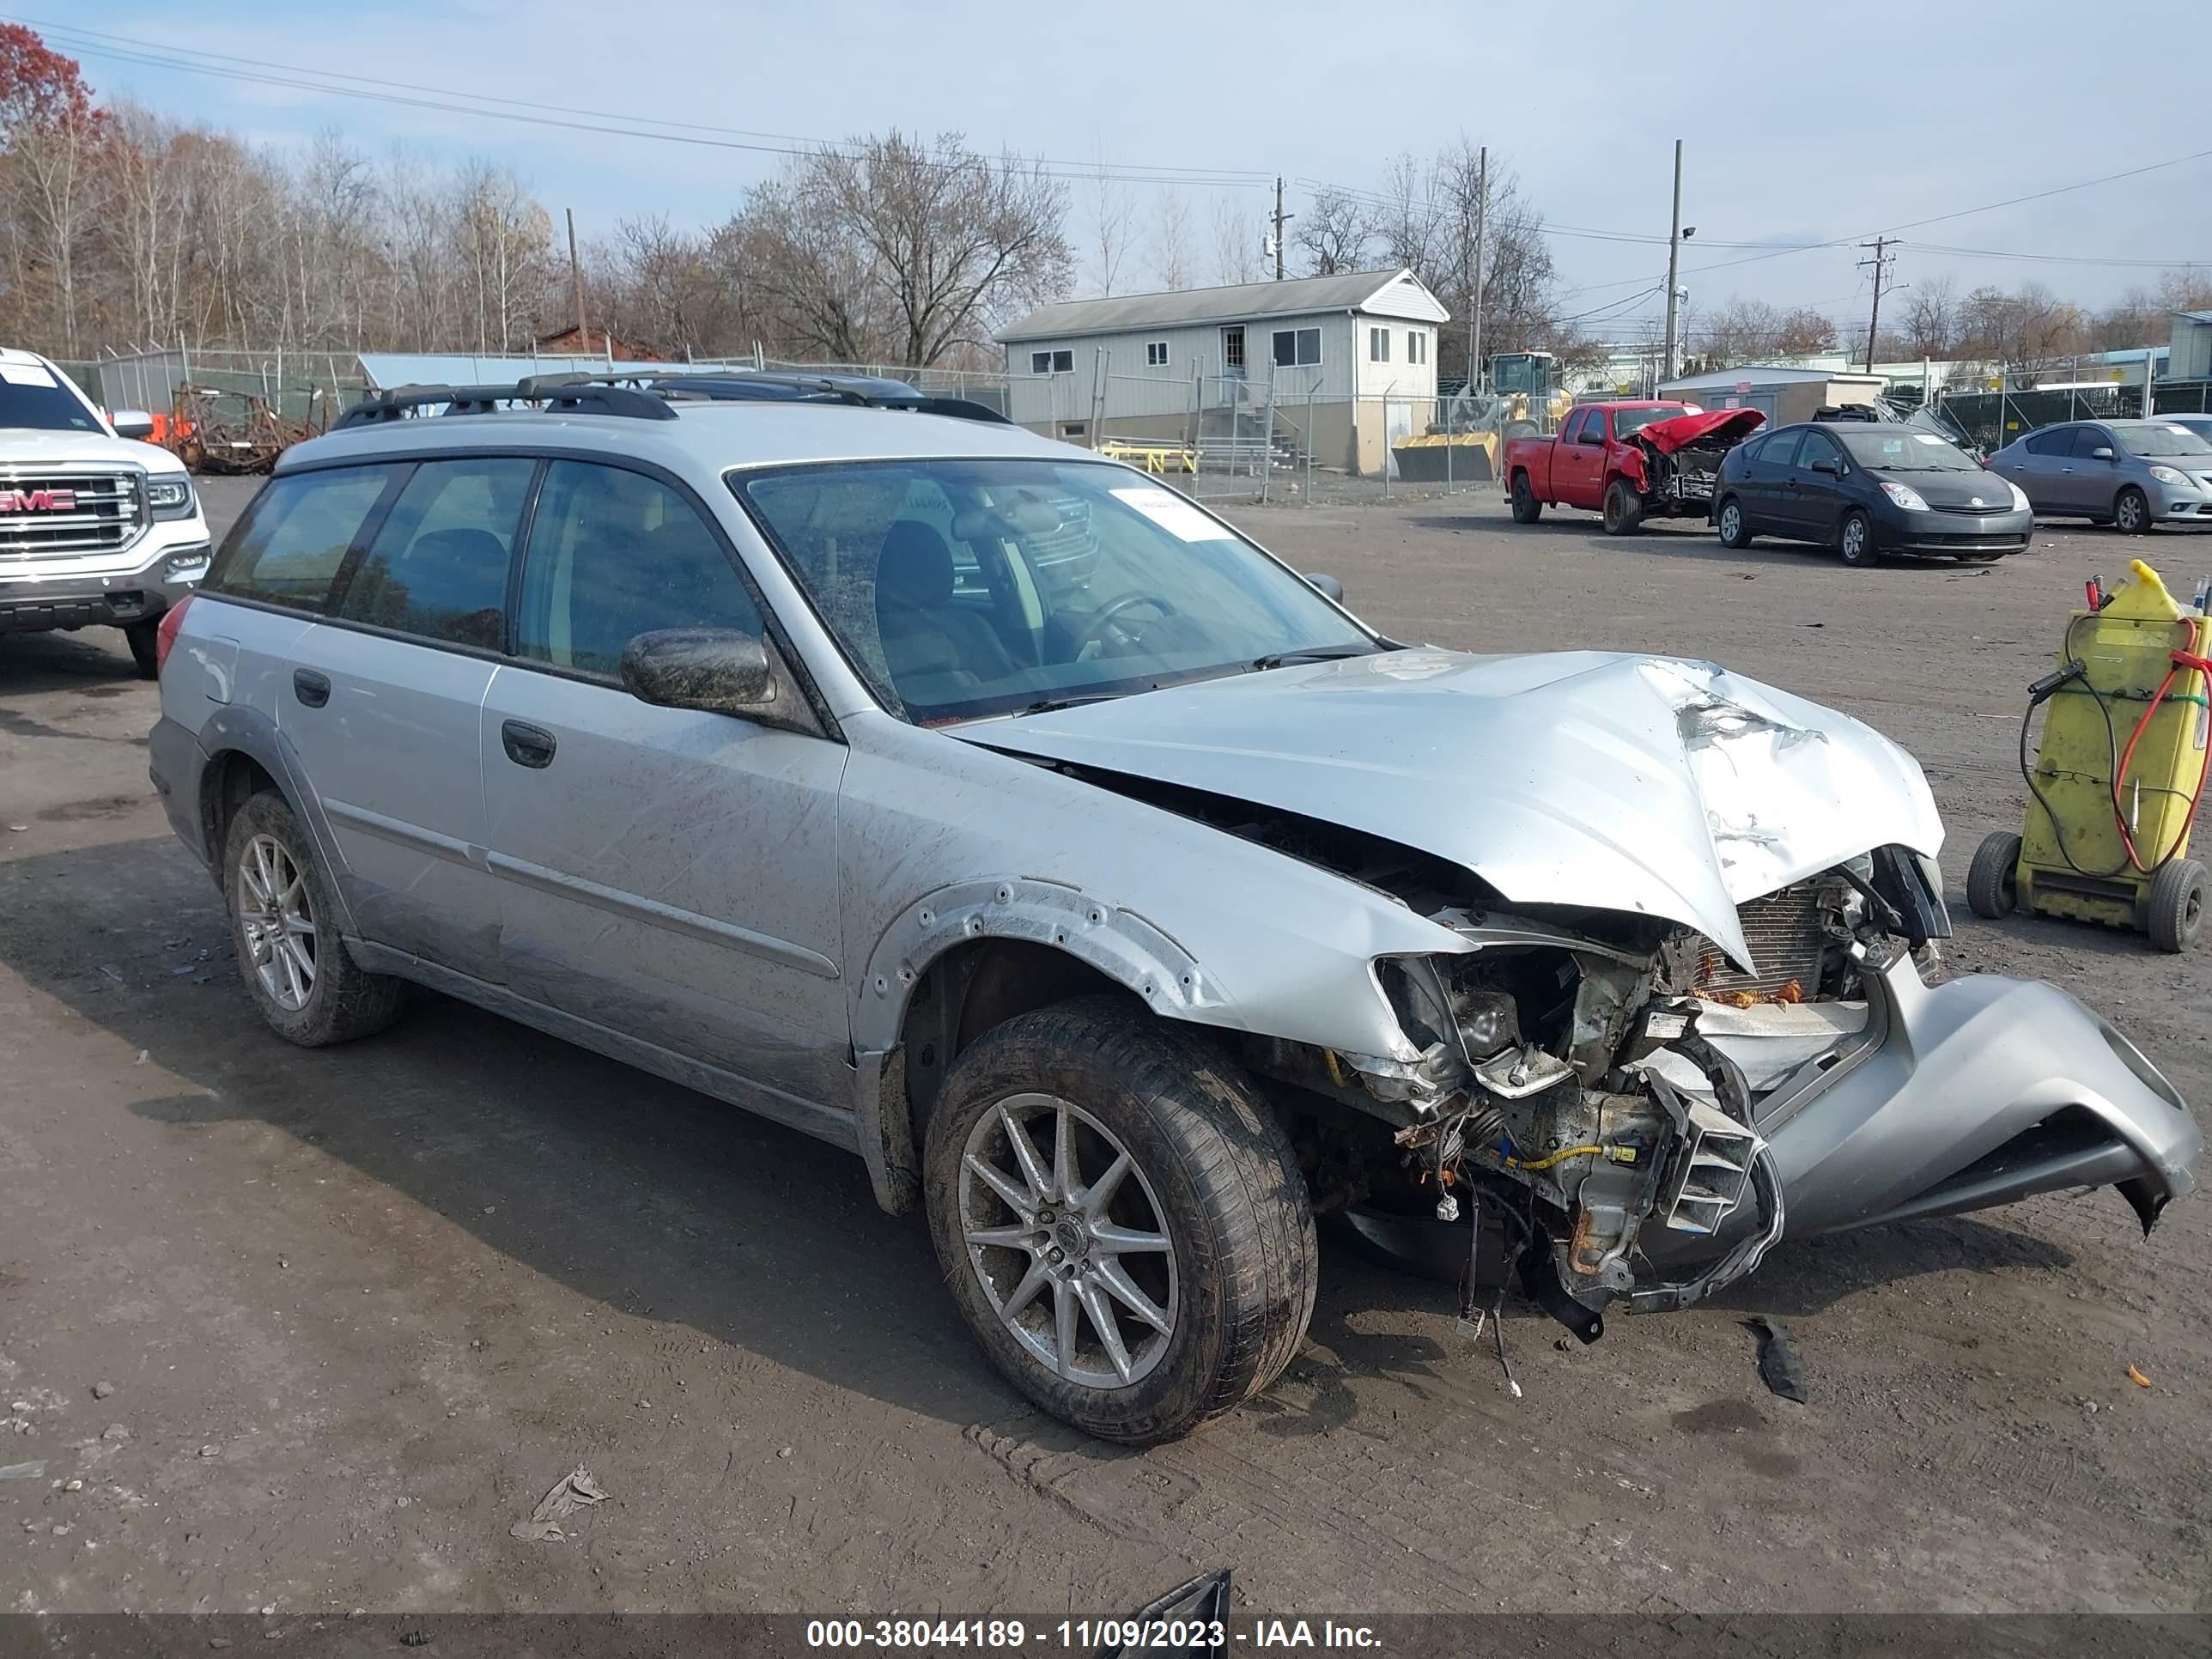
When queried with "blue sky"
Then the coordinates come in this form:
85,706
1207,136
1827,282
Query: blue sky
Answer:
1803,121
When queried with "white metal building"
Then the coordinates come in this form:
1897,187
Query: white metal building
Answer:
1352,356
1782,395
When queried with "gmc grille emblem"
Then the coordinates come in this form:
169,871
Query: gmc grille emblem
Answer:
37,500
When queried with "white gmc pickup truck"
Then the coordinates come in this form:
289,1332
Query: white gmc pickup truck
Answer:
95,526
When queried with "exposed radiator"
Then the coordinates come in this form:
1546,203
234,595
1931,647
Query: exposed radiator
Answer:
1787,942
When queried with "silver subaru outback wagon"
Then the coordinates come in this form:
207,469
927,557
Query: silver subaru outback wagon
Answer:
1126,905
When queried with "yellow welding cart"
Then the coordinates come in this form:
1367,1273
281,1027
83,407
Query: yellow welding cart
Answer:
2130,701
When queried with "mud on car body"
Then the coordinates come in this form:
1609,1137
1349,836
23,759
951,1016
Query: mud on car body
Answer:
1122,915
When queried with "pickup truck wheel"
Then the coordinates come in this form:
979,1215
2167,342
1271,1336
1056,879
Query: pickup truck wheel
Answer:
294,963
1624,509
145,648
1735,529
1855,542
1119,1218
1527,509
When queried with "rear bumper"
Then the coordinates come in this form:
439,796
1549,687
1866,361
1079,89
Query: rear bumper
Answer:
134,587
176,763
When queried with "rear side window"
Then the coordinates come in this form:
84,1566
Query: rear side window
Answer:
438,566
614,553
287,547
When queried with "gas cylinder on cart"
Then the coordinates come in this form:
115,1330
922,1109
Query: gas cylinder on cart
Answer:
2089,851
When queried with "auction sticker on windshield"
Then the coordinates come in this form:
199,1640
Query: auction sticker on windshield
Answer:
25,375
1174,515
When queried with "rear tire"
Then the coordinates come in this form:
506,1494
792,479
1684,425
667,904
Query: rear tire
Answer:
1854,541
1735,527
2131,512
143,640
2176,906
1527,509
1624,509
282,925
1210,1172
1993,879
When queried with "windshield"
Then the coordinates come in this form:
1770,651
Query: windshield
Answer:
31,396
1628,421
964,588
1900,449
2157,438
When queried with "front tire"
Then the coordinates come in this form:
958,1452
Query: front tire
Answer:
1624,509
1119,1218
2131,512
143,640
1735,528
1527,509
282,925
1855,542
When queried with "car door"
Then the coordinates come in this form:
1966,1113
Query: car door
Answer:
2092,481
2042,467
1764,477
381,702
1581,463
1813,500
669,875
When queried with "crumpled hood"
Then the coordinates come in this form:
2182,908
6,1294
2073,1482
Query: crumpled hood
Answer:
1722,425
26,448
1643,784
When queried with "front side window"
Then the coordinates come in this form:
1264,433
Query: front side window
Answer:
1813,446
2087,440
288,549
1781,449
960,589
614,553
438,566
1378,345
1297,348
1593,426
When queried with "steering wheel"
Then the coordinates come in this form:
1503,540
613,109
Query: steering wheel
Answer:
1106,614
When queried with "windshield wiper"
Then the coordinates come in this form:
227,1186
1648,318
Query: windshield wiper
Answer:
1047,705
1311,653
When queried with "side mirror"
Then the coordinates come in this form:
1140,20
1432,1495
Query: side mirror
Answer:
1596,436
718,670
2101,452
1829,465
1327,586
132,423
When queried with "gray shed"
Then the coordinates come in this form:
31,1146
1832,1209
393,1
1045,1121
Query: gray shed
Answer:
1782,395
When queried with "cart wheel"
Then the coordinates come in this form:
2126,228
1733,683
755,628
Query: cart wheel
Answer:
1993,879
2177,905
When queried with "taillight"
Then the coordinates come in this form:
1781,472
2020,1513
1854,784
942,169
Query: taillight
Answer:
166,635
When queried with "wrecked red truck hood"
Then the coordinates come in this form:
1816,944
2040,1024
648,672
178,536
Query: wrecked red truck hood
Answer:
1680,431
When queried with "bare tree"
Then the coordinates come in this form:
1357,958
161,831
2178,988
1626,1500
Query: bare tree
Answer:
1236,243
1172,255
1113,230
1334,230
2030,327
1931,317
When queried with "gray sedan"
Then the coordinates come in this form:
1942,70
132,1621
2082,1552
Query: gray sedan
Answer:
2129,474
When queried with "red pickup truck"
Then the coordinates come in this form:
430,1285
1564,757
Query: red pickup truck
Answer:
1631,461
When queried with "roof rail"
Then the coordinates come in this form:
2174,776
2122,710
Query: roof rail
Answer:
863,390
580,394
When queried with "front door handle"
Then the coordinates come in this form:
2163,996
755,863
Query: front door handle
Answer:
527,746
311,688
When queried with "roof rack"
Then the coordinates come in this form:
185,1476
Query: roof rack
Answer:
577,394
647,395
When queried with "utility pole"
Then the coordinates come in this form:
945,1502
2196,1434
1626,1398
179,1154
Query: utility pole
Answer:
1474,319
1674,255
1882,261
576,277
1281,219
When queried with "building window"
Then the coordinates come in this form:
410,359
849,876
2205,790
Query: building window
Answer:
1156,353
1378,345
1073,430
1297,348
1232,349
1417,346
1051,363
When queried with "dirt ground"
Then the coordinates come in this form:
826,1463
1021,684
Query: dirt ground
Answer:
314,1329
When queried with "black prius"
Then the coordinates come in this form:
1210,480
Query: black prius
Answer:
1868,491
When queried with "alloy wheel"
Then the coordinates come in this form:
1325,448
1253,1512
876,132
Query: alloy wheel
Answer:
279,922
1731,523
1081,1271
1855,540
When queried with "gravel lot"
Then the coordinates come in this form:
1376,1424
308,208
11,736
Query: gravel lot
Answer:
314,1329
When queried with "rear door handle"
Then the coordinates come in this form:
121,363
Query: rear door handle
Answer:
311,688
527,746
